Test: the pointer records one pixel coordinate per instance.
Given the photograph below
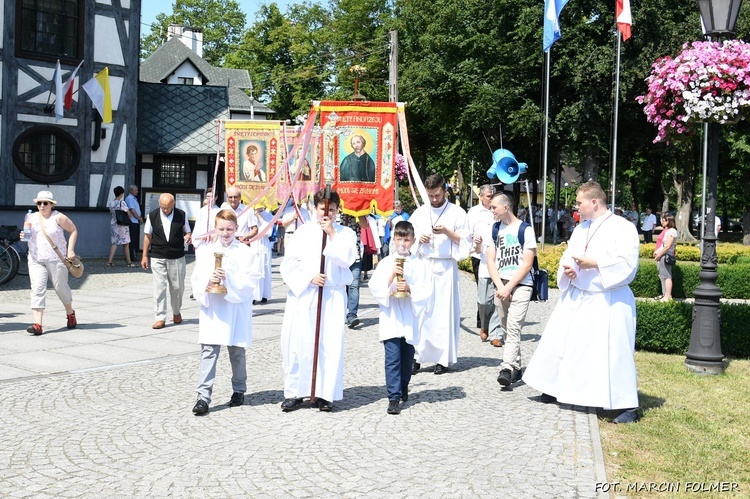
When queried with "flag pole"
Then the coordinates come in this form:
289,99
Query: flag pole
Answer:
617,107
546,141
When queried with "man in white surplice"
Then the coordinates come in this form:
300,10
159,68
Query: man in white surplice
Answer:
248,225
300,271
585,356
444,239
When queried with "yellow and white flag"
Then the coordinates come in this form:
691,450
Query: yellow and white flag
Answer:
97,89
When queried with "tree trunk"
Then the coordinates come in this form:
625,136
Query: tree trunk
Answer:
746,212
665,198
683,184
591,167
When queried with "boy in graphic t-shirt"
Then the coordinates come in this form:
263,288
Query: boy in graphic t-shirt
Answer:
510,266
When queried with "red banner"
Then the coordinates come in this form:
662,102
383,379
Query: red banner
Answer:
252,154
310,180
359,142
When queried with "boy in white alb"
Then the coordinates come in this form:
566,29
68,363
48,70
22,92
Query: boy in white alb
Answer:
301,272
400,317
225,318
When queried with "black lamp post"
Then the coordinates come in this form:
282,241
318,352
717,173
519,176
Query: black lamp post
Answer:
704,354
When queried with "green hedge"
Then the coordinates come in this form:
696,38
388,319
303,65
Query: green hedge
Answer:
725,253
666,327
734,280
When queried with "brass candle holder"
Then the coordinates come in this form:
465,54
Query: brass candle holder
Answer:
400,278
217,288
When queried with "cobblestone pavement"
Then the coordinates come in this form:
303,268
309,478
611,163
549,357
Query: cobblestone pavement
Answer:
105,411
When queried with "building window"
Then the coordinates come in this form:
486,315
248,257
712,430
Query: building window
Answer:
46,154
175,171
50,29
185,81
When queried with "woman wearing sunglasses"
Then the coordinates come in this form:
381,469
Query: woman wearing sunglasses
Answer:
44,262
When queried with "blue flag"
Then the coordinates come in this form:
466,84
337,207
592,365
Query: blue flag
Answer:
552,9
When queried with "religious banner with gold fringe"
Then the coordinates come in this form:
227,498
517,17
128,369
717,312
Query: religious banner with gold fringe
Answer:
359,143
310,179
252,155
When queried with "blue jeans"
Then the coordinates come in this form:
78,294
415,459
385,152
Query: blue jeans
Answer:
398,362
352,291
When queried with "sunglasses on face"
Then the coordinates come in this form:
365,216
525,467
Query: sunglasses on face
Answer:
42,203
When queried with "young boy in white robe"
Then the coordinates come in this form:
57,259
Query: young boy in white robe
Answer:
400,316
225,318
301,272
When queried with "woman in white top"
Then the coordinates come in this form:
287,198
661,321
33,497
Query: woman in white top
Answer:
668,239
44,261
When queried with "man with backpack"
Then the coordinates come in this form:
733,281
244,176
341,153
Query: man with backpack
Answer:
510,258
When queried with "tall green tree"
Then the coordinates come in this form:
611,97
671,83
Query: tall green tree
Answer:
288,56
222,23
358,35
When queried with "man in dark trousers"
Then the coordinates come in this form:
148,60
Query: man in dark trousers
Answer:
167,231
134,212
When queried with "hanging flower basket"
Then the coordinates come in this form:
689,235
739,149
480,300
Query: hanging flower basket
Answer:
707,81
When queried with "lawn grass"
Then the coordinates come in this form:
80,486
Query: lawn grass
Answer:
694,429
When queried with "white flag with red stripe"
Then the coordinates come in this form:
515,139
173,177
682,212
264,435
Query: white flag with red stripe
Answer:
623,18
68,88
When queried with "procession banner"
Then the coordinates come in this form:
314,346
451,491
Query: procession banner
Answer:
252,155
359,143
309,181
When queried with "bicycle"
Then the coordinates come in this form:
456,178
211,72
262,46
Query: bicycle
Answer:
10,260
22,250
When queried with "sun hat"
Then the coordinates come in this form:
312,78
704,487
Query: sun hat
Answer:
45,196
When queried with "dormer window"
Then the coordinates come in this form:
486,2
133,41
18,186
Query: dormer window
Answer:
186,81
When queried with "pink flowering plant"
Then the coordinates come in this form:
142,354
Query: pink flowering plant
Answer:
401,172
707,81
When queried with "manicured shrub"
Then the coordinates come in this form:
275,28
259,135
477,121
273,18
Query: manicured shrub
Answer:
666,327
725,253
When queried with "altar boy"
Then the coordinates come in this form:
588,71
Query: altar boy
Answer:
400,317
301,272
225,317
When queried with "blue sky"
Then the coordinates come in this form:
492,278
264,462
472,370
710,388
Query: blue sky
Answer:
150,8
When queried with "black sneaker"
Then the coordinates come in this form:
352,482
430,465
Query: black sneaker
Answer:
237,399
354,323
627,416
290,404
415,366
393,407
200,408
508,377
324,405
440,369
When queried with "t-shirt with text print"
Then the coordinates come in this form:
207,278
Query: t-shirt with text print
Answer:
508,252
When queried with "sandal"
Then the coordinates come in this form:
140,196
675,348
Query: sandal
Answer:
131,265
110,264
658,298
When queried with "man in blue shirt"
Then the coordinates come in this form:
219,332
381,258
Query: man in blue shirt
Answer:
134,212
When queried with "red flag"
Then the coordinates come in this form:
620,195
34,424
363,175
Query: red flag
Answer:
68,88
623,18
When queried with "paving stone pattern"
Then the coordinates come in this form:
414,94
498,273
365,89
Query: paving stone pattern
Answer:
105,411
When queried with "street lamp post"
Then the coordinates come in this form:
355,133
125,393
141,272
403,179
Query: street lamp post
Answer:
704,354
